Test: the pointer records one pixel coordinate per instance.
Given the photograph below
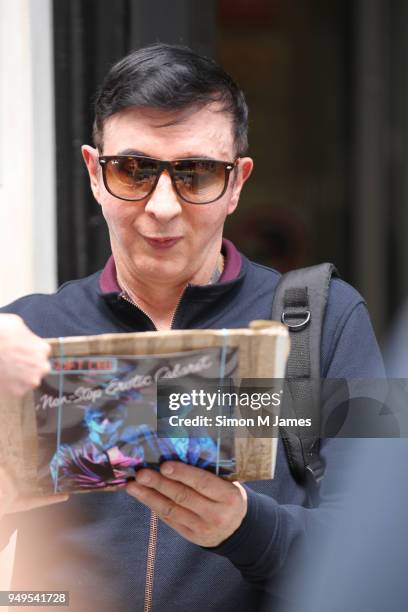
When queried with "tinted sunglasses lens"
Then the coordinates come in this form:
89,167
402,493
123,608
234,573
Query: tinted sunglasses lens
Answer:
130,178
200,181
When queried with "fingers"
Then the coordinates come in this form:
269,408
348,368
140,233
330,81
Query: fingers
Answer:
195,516
177,492
166,508
204,482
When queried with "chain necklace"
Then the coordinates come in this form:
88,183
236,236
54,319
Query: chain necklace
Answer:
219,269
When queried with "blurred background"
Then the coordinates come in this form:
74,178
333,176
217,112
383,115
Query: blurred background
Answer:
327,86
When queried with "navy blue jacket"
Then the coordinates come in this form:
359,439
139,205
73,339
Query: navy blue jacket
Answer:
95,545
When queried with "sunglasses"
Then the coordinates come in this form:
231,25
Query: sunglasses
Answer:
135,177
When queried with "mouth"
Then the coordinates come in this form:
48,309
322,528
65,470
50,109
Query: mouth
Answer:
162,243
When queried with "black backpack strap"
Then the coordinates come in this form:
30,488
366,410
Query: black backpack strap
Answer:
300,303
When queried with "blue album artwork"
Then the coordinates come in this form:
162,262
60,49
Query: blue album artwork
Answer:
97,419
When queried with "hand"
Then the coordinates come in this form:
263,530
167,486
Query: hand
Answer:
23,357
11,501
200,506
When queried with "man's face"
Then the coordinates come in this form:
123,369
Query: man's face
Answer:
106,423
196,230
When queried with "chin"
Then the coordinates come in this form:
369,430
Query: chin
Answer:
165,264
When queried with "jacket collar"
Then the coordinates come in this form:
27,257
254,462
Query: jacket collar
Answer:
108,282
201,306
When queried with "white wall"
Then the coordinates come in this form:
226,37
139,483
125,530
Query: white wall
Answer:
27,151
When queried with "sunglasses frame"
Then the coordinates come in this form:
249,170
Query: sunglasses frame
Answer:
169,166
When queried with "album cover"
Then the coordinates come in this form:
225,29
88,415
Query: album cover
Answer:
96,418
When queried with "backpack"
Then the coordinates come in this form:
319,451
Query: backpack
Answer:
300,303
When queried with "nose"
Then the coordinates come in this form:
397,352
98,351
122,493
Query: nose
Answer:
164,204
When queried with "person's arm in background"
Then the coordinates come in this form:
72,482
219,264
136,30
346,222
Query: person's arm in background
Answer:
23,357
11,502
23,363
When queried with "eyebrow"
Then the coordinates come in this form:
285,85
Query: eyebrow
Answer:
143,154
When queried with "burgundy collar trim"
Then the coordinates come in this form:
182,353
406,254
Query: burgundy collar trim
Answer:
108,281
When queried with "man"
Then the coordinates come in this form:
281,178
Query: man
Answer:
167,169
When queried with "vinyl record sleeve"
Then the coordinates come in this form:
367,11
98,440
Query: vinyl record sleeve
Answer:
93,421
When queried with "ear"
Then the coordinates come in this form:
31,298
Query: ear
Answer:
90,156
243,172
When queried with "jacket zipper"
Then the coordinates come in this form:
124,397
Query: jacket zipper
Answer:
154,519
151,560
130,301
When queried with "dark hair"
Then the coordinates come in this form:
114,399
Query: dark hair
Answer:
169,77
106,407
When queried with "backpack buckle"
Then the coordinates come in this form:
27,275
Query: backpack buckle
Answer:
315,472
296,315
